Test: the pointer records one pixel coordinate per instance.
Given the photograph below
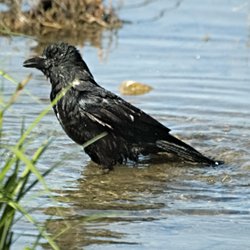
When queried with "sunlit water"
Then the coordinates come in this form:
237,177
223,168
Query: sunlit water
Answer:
195,55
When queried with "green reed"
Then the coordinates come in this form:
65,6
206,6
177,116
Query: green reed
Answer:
16,169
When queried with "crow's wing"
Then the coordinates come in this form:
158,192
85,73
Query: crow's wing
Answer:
124,119
130,123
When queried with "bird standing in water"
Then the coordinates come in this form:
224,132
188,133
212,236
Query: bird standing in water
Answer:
87,110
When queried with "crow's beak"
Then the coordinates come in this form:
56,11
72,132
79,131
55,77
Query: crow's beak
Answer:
35,62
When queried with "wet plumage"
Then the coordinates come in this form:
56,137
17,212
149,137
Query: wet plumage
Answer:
87,110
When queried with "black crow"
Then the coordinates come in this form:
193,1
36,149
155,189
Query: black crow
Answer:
87,110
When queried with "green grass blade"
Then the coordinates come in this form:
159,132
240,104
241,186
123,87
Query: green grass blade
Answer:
41,115
12,80
16,206
93,140
30,165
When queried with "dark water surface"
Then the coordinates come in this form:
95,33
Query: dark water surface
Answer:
196,55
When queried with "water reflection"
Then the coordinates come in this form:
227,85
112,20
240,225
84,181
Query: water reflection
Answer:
126,195
93,210
99,203
101,39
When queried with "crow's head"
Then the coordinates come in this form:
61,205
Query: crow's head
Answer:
58,57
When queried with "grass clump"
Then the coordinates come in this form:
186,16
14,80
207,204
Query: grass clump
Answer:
16,168
49,19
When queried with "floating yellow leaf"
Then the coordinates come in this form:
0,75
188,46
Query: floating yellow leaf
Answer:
131,87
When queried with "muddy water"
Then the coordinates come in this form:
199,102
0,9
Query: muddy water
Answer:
195,55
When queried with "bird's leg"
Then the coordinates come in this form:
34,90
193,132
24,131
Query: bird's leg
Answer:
106,169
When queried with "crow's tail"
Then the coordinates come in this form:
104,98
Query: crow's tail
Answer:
184,151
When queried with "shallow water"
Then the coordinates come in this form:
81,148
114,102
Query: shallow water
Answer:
195,55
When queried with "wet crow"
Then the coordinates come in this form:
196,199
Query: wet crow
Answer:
87,110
